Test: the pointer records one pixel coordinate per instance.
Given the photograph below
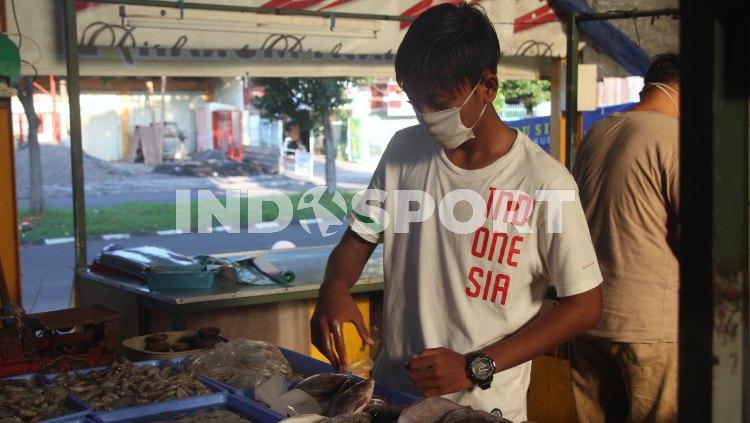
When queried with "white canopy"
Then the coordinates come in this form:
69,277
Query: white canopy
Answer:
148,41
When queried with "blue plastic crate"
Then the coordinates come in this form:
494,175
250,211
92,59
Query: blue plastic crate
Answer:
27,376
82,419
50,378
171,409
305,365
176,361
80,409
308,366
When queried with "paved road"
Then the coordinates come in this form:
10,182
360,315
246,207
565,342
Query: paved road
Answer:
48,275
157,188
47,269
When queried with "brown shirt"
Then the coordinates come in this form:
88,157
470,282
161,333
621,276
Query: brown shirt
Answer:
628,174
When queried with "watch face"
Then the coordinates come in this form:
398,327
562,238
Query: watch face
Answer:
481,368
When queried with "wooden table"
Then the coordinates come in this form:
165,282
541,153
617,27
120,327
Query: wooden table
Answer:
271,312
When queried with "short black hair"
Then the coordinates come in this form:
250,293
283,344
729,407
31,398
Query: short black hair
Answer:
665,69
446,46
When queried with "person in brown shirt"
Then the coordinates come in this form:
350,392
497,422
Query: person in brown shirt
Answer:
627,169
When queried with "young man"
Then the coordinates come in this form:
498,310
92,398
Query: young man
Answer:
460,305
628,173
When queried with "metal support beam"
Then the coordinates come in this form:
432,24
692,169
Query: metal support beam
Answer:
627,14
259,10
76,145
571,91
556,123
714,122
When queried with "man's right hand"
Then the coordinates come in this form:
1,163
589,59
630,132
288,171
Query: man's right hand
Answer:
335,307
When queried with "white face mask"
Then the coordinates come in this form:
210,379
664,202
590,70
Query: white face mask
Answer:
446,127
664,88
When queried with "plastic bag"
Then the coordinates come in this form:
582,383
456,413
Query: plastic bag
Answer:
242,363
362,367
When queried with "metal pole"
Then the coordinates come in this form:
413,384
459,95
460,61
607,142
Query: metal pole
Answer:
259,10
628,14
76,146
571,91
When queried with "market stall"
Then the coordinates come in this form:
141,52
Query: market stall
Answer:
265,310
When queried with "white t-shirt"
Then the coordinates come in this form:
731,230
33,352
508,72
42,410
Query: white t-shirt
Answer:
465,291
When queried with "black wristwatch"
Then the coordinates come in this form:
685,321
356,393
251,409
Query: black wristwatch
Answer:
480,369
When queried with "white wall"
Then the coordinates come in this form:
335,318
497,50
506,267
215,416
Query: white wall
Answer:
229,91
101,122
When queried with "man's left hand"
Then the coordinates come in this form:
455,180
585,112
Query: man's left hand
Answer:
438,371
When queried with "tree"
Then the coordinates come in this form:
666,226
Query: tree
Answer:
527,92
25,88
309,102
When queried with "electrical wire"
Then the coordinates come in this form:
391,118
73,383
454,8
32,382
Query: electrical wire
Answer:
36,72
26,37
18,27
637,35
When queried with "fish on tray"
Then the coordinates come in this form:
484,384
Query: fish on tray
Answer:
353,400
441,410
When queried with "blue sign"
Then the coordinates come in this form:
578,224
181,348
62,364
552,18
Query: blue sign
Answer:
537,128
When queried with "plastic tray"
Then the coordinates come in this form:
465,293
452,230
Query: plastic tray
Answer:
50,378
171,409
82,419
304,365
300,363
80,409
308,366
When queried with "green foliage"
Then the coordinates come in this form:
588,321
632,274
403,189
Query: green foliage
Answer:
301,99
145,218
499,102
527,92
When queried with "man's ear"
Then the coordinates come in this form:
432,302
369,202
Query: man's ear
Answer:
491,85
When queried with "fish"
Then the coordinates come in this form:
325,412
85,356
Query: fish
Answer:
385,413
377,400
469,415
428,410
322,385
353,400
350,418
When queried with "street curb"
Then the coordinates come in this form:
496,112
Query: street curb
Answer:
164,232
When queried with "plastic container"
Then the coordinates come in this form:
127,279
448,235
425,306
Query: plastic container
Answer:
308,366
305,365
164,281
50,378
81,419
80,409
159,268
171,409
